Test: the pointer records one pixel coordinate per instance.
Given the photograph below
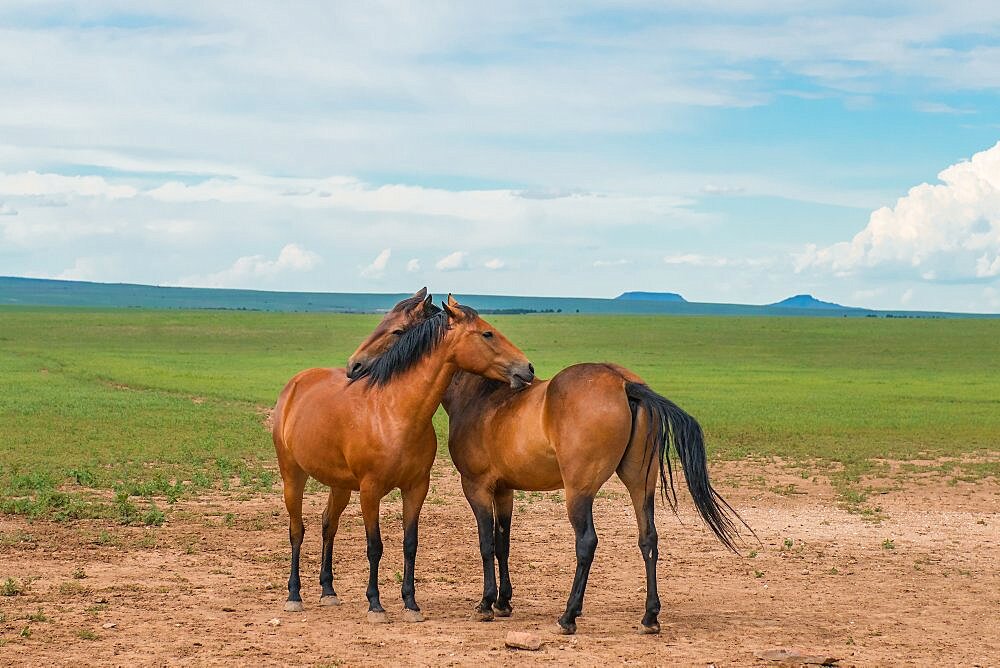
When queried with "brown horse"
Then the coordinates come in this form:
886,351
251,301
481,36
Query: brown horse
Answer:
572,432
373,433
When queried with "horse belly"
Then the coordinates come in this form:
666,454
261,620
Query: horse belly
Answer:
531,466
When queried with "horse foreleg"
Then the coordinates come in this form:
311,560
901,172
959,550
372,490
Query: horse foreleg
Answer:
335,505
370,500
413,501
294,483
581,516
481,500
503,504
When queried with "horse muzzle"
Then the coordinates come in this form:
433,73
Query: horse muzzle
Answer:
521,375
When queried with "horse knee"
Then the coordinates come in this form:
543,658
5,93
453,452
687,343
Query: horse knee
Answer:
648,544
374,549
586,545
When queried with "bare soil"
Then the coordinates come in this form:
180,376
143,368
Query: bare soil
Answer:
920,588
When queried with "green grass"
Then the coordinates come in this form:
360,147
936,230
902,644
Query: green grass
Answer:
147,403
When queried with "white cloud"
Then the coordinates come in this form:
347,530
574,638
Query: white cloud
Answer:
453,262
949,231
940,108
88,269
377,268
34,184
906,297
413,265
252,269
611,263
696,260
712,189
495,264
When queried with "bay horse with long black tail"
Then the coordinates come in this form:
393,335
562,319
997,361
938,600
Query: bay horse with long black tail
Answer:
373,433
573,432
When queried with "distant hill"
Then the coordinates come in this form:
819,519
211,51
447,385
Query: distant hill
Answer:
652,296
30,292
806,301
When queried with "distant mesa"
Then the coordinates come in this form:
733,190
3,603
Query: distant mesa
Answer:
652,296
806,301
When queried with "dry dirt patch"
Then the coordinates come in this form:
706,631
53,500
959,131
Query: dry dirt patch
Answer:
920,588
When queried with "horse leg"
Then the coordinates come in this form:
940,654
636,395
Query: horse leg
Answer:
503,503
294,480
642,501
481,500
581,515
638,471
335,505
413,501
370,500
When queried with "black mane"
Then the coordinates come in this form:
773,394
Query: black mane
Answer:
413,345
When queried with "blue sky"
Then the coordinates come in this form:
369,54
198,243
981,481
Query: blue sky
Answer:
735,152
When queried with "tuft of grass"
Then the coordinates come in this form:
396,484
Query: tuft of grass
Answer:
154,516
79,573
888,544
11,587
25,632
758,574
86,634
37,616
72,588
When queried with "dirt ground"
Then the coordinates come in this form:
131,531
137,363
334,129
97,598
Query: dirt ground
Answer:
921,588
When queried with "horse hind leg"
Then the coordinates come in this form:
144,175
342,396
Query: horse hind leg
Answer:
580,507
640,479
294,480
335,505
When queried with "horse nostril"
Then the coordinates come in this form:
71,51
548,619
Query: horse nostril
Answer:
531,368
356,368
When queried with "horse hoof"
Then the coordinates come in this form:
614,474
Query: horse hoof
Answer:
482,615
503,612
412,615
377,617
329,600
293,606
649,630
561,630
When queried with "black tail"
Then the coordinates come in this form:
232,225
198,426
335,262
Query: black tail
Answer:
669,422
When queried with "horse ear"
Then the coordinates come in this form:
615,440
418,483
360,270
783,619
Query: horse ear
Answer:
421,293
454,314
452,302
429,307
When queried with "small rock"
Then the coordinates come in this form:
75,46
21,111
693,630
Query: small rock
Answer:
274,622
228,609
109,625
523,640
794,657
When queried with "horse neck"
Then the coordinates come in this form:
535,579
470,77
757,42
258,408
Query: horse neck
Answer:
417,392
465,387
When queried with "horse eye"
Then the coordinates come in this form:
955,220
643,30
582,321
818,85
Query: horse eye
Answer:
487,335
398,332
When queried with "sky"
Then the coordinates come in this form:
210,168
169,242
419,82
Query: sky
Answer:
739,151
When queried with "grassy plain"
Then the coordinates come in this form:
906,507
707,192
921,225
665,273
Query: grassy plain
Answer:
156,404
